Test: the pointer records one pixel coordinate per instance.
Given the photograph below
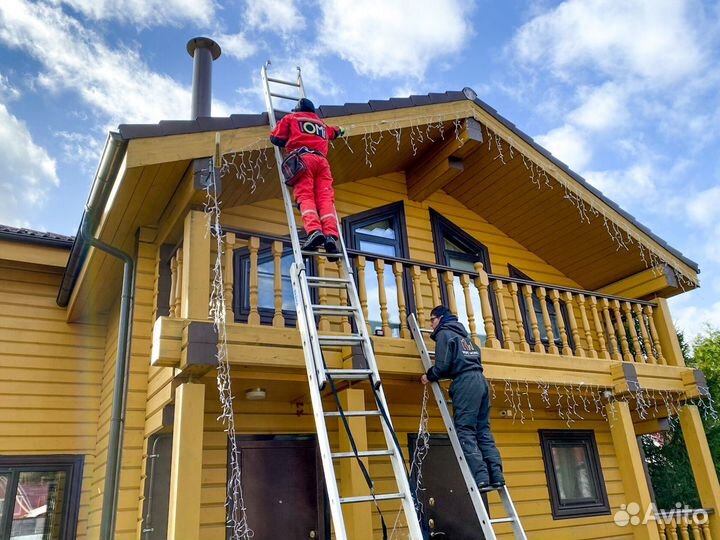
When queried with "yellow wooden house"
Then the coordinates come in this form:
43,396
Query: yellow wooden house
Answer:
442,200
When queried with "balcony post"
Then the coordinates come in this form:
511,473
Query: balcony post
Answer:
196,266
703,468
635,484
667,333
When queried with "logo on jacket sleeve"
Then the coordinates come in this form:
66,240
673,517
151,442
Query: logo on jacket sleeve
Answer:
312,128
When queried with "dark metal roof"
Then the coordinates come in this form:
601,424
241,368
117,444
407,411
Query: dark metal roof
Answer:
30,236
237,121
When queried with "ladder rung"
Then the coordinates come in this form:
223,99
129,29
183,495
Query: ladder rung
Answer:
431,353
328,282
369,498
321,254
353,413
363,453
282,96
425,331
339,340
288,83
349,374
502,520
319,309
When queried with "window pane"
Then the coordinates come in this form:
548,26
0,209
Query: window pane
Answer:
452,246
266,282
37,514
462,313
4,481
383,228
371,283
572,471
460,264
377,248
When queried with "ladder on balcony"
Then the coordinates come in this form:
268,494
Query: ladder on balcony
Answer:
486,523
319,375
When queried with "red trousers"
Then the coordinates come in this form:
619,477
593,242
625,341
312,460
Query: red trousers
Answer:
314,193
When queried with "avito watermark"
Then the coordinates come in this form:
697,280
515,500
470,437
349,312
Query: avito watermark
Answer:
630,514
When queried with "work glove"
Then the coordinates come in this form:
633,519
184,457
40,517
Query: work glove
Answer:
341,132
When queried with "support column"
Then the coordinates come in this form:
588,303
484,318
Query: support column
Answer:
667,333
186,470
358,517
196,266
629,460
706,478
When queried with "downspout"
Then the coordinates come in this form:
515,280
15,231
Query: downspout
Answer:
105,179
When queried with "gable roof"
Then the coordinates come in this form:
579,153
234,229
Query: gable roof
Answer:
239,121
30,236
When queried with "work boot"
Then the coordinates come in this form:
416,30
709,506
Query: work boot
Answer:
496,478
314,240
331,246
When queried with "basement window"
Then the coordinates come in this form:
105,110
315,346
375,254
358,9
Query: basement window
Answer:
40,496
574,475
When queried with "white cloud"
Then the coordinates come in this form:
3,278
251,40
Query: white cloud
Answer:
690,316
116,83
80,148
383,38
281,16
236,45
27,172
7,90
145,13
568,144
655,40
635,182
704,207
602,108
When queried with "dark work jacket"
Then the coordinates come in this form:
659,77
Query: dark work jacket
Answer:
455,353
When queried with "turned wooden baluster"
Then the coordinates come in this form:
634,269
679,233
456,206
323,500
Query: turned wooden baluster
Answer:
705,527
599,328
534,327
173,286
384,316
695,527
610,329
627,309
653,333
567,299
402,306
277,251
519,323
362,289
555,298
417,290
434,286
542,296
467,294
586,326
504,323
448,279
684,526
626,356
254,247
661,530
482,282
229,275
324,323
647,344
673,529
179,288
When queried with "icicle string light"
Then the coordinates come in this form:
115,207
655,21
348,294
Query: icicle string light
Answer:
237,523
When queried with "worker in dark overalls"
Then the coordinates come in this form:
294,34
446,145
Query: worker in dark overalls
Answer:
458,358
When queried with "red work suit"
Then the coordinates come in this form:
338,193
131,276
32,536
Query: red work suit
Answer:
313,191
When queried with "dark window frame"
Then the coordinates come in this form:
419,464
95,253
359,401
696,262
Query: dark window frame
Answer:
241,292
519,274
580,507
72,465
442,227
394,211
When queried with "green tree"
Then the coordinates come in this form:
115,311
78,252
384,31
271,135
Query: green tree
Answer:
666,455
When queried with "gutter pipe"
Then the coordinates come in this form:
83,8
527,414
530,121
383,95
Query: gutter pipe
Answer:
105,178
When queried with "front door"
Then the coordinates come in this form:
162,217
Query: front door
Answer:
282,487
447,509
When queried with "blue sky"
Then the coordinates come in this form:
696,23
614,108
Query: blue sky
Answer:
627,92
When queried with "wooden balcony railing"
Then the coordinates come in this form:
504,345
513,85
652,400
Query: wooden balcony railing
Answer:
499,311
685,527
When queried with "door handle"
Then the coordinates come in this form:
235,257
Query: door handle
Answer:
312,534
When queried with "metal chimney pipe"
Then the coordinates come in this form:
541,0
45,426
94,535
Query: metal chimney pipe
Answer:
204,51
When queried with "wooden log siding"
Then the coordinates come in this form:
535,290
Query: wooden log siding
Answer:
575,322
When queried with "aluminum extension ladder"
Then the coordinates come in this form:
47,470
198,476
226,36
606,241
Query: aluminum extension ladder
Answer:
314,342
442,402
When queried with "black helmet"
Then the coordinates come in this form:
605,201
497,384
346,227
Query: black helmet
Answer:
304,105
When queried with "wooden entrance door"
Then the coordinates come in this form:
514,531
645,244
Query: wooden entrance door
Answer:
283,488
447,509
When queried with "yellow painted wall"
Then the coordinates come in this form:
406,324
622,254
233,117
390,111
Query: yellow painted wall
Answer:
50,373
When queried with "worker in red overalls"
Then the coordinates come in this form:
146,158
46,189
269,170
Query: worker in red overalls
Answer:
302,130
